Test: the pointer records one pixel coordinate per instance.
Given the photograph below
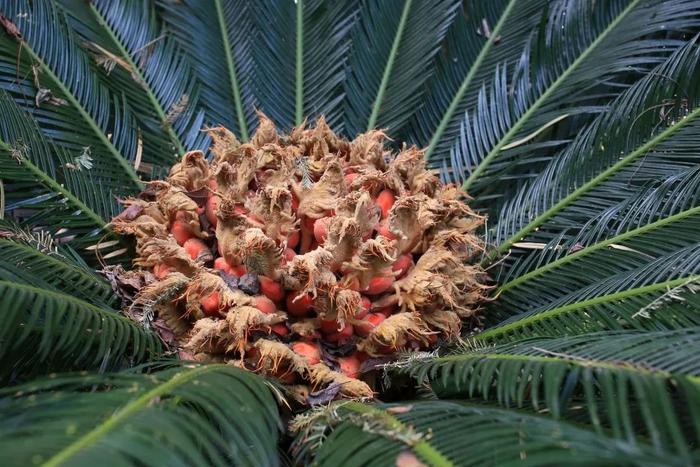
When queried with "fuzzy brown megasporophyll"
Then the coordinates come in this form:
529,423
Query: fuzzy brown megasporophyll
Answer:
305,256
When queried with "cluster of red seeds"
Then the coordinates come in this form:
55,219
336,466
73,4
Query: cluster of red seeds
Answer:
305,256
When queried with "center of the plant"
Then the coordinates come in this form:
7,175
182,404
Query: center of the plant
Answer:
305,257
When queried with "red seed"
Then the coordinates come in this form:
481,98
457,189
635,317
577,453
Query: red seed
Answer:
301,306
329,326
379,285
309,351
321,230
238,270
194,247
350,177
364,327
271,289
265,305
308,223
293,239
280,329
350,366
181,231
383,230
402,265
221,264
342,335
387,310
347,331
307,234
295,203
289,254
366,305
161,271
211,304
385,200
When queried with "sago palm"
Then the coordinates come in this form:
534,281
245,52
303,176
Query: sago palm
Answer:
573,126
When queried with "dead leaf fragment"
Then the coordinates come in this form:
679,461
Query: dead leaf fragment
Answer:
45,96
323,396
10,27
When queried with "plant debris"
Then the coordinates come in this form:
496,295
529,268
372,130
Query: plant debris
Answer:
305,257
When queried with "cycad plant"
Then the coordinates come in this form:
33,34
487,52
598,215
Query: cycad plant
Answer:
573,126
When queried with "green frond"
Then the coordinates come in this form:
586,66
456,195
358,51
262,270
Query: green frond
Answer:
185,414
582,53
618,302
659,221
46,186
467,59
573,124
607,205
42,329
157,80
626,383
393,44
226,32
83,113
442,433
642,138
48,267
156,142
300,58
326,44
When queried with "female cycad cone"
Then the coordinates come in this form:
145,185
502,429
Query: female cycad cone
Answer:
302,256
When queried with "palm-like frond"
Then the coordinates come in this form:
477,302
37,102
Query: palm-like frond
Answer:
49,48
393,44
160,86
164,128
444,433
659,221
630,383
645,131
35,259
294,79
483,36
583,52
326,42
53,190
42,330
620,198
184,414
225,32
614,302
